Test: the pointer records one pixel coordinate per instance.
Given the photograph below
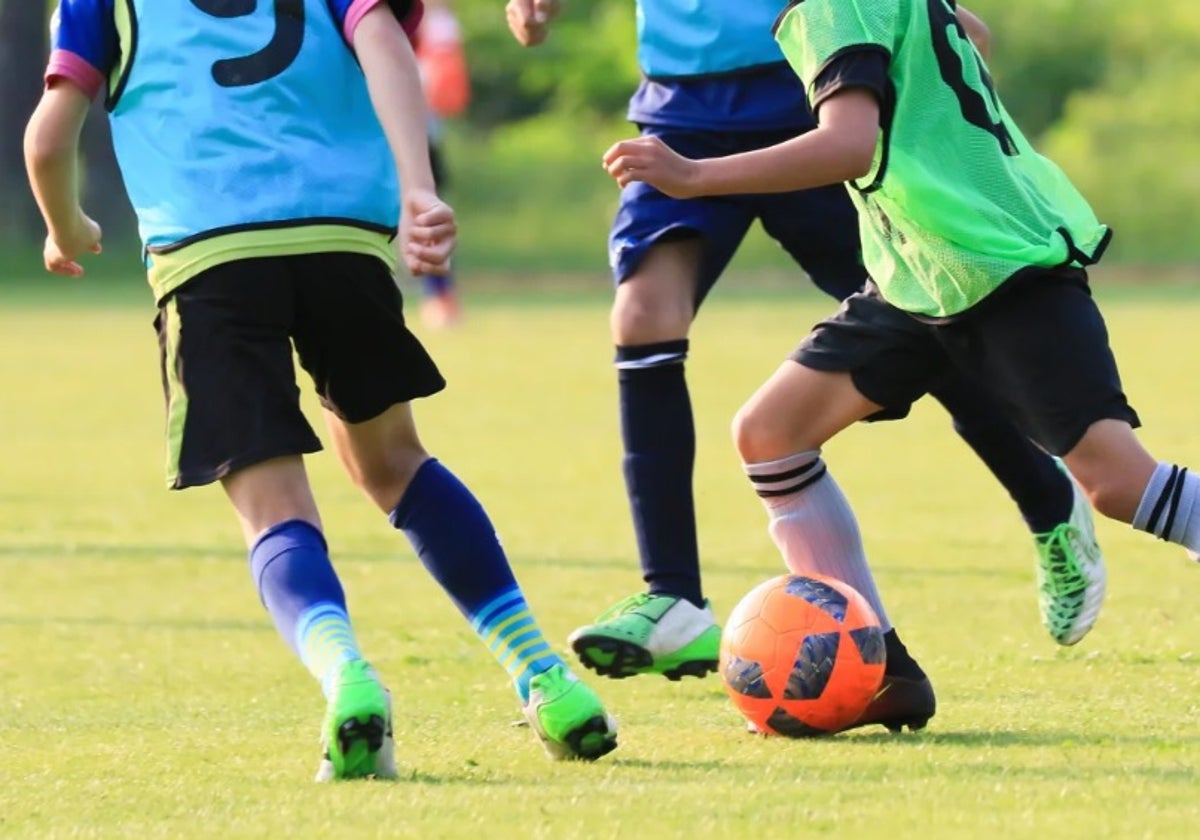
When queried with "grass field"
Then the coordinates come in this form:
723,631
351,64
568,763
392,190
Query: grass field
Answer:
144,693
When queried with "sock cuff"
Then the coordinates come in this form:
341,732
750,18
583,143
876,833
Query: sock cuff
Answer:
399,515
290,532
638,356
1171,492
281,538
786,476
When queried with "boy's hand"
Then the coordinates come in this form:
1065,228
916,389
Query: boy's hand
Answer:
63,248
651,160
428,233
529,20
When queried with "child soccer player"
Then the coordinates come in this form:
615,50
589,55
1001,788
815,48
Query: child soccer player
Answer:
976,247
668,253
263,155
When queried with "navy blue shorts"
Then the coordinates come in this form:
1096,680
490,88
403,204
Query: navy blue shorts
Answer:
818,228
1039,348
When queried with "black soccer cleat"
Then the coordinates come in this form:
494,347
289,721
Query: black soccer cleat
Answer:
900,702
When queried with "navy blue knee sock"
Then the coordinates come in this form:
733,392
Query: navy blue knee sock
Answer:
1042,492
659,435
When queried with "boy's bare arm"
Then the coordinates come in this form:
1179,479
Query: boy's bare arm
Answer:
386,56
841,149
52,163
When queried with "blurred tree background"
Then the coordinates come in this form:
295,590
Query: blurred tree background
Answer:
1110,90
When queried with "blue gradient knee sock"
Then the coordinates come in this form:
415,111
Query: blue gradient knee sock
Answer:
455,540
301,591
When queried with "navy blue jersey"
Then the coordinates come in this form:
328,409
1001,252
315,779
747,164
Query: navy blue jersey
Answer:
713,65
764,99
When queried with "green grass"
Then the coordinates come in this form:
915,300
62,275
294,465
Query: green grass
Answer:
144,693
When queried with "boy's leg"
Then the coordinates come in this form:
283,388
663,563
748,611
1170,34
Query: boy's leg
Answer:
234,416
1126,483
456,541
1070,566
867,361
296,581
669,629
819,229
1048,359
778,434
666,255
367,366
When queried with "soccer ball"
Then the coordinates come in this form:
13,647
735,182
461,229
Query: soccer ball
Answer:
802,655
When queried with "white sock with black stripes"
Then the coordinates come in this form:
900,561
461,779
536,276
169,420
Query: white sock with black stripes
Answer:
812,523
1168,509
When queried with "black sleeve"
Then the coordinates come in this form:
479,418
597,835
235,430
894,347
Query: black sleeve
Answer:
858,67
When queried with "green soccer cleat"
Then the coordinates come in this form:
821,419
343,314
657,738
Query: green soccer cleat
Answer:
568,718
357,731
1070,573
650,634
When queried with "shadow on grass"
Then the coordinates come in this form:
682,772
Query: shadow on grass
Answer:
709,766
1001,739
221,626
31,551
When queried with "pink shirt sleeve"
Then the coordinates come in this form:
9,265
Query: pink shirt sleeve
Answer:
70,67
359,8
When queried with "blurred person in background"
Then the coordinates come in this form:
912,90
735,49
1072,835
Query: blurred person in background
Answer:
447,84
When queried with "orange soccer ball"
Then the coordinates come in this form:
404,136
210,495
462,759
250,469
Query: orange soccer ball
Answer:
802,655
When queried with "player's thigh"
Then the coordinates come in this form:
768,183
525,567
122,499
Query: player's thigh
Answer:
819,230
352,339
891,358
797,409
227,372
1042,348
657,302
646,218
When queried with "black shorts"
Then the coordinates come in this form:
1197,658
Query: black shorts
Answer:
226,339
1040,348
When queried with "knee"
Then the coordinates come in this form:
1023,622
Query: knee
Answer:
759,437
645,319
385,479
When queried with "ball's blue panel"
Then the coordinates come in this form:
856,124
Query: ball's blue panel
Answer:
746,677
813,666
819,594
792,727
871,646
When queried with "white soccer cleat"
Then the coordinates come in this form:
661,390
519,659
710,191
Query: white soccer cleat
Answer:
1071,576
